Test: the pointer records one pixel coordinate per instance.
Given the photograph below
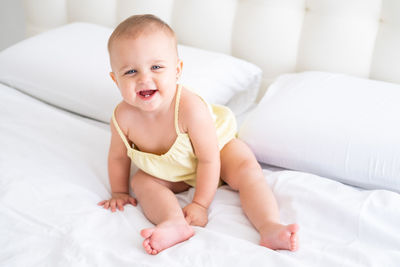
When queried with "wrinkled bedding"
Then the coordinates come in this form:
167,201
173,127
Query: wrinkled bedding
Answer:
53,171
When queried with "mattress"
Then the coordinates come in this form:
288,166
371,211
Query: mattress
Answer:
54,172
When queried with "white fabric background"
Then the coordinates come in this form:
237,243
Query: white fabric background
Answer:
53,173
359,37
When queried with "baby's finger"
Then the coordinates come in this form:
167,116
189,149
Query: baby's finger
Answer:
188,219
132,201
106,205
101,203
113,204
120,205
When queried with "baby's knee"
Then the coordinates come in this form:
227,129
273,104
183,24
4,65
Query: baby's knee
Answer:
246,171
248,166
250,171
139,179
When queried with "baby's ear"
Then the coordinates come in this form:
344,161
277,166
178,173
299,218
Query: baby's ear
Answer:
112,75
179,67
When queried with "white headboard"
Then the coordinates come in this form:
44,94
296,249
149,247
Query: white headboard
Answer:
359,37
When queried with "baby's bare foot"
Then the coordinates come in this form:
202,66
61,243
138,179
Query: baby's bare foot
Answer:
278,236
165,235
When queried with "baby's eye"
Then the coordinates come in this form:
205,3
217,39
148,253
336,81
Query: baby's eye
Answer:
156,67
130,72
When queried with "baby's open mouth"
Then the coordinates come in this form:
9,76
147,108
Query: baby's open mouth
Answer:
147,93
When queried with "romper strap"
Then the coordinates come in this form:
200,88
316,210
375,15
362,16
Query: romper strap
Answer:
121,134
177,100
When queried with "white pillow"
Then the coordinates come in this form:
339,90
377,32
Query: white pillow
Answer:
333,125
219,78
69,68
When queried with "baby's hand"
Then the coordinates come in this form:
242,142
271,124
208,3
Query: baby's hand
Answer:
196,214
117,200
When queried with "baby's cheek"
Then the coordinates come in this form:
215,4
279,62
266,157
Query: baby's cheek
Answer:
128,93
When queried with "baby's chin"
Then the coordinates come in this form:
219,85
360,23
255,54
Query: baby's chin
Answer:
147,103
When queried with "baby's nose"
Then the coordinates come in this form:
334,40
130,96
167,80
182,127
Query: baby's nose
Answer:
145,81
145,77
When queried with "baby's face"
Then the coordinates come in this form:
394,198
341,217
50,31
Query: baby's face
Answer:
145,70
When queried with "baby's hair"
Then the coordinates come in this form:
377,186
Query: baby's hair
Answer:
139,24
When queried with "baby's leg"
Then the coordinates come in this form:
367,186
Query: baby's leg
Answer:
161,207
241,171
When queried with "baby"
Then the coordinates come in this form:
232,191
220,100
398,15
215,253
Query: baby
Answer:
177,141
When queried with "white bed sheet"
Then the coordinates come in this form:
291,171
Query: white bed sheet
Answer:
53,172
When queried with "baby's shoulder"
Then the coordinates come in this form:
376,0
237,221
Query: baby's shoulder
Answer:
192,106
124,116
191,102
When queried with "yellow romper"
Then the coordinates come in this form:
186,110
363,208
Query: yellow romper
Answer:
179,163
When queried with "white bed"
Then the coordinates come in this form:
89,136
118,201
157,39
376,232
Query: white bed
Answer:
54,133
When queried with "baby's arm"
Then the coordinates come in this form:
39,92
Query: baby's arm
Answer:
202,132
118,172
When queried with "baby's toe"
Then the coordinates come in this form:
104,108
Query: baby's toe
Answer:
146,245
293,242
148,248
